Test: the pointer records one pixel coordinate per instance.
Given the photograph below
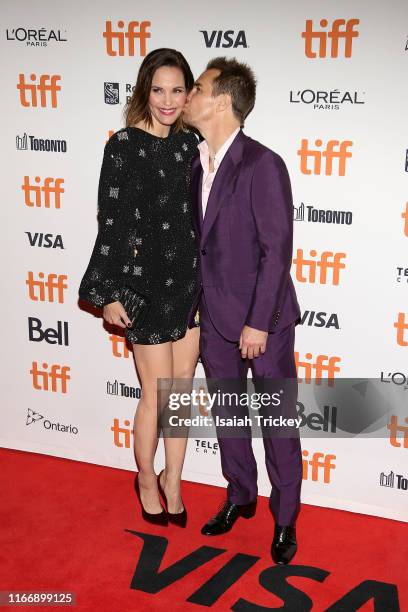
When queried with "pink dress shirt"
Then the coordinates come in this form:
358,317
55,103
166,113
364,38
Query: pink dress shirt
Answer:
208,177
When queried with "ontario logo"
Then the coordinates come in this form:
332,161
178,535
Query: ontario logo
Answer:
35,417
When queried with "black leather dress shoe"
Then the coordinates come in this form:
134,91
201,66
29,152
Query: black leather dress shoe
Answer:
284,545
226,517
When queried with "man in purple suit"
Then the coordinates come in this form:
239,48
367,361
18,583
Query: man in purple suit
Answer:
243,215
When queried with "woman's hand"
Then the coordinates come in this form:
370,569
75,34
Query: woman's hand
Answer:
115,314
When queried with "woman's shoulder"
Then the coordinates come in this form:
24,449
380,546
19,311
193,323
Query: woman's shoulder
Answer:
120,136
188,140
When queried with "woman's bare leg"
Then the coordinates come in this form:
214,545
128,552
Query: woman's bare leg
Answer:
185,356
153,361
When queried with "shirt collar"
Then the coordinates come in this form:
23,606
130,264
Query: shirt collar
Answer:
219,156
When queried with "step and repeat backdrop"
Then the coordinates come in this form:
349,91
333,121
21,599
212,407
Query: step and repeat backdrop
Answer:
331,100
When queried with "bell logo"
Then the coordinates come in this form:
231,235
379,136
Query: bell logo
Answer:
46,290
404,215
328,261
401,325
323,363
340,29
396,429
115,40
45,195
46,88
328,154
318,463
54,380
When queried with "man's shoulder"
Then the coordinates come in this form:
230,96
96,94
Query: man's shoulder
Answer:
257,150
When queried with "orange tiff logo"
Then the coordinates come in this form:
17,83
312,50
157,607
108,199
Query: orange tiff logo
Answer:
341,29
45,195
122,42
320,465
50,290
401,325
404,215
121,434
47,88
119,346
334,150
317,270
323,364
53,379
396,429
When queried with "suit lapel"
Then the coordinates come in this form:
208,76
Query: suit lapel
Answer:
223,186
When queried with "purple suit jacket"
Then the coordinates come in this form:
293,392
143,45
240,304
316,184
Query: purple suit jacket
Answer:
245,240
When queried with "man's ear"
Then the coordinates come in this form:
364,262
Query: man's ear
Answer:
222,103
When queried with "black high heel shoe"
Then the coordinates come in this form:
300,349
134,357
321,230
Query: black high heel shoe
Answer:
158,518
177,518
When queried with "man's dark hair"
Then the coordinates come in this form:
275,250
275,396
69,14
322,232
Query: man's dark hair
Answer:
238,80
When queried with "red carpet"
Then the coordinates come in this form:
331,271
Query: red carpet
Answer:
71,526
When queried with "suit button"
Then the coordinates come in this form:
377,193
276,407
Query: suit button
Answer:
203,252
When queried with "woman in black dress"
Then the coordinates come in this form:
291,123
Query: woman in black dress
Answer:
146,240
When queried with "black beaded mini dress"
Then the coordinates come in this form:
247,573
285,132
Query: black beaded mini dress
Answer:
145,233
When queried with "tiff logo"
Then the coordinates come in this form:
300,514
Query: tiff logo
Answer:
401,325
340,30
119,346
121,434
395,429
315,369
40,290
328,261
120,42
47,88
313,468
404,215
43,195
54,380
334,150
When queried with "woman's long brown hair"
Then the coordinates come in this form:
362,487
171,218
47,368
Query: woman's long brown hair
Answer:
137,109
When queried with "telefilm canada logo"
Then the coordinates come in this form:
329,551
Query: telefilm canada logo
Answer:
36,37
311,214
402,275
28,142
35,417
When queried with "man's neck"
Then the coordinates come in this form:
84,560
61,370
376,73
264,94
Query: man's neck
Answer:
216,135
